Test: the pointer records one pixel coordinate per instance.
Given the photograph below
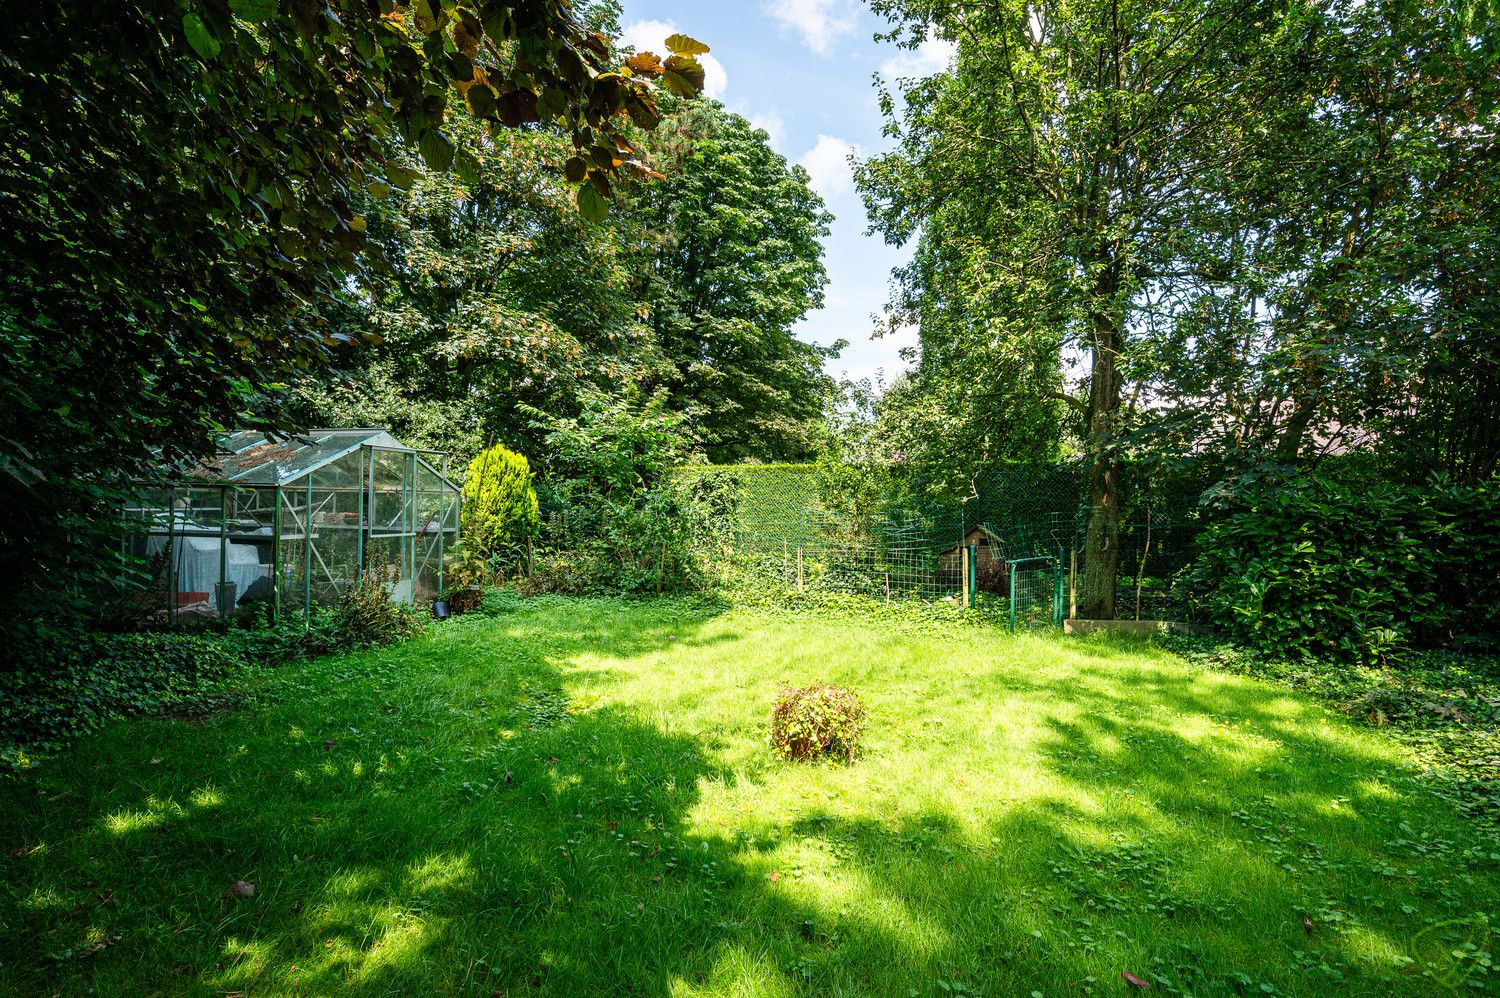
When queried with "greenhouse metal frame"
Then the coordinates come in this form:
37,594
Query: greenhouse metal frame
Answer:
273,528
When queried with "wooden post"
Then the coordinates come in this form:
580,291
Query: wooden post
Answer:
799,568
1073,584
964,563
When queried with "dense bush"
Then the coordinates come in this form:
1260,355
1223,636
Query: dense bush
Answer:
626,522
363,617
813,721
1313,567
66,686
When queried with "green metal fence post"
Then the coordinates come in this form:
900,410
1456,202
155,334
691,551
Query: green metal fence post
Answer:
972,582
1012,597
1057,590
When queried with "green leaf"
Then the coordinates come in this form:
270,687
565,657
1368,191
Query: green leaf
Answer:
429,15
437,151
683,76
591,204
199,37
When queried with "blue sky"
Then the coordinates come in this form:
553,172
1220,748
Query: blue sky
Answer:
801,69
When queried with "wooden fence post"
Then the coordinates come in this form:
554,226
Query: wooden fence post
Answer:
964,563
1073,584
799,568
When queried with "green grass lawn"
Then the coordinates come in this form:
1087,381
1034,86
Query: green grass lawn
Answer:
578,798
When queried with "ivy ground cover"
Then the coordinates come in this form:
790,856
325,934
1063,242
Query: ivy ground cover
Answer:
577,797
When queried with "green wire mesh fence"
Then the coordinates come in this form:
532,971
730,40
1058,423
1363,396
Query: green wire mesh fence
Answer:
1014,547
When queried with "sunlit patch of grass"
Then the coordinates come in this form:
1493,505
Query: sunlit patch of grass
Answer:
578,797
128,820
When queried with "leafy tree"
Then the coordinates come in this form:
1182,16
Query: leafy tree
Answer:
499,501
181,183
1223,229
1045,178
501,296
1345,294
504,301
731,260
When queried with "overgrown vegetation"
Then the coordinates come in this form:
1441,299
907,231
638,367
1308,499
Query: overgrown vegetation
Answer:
618,519
66,684
1357,572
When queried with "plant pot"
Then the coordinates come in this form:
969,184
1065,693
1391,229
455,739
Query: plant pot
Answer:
465,599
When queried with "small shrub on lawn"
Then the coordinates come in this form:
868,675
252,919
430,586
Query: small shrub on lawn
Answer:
814,721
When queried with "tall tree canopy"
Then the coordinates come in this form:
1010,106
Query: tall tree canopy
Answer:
504,302
181,182
734,258
500,297
1209,225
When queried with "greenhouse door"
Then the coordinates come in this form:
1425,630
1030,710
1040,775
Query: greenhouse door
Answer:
389,549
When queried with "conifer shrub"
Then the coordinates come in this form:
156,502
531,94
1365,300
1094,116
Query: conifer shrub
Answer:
499,502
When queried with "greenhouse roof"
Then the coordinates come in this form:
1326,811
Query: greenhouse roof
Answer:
249,458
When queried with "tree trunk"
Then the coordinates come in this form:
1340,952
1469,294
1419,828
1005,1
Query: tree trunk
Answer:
1101,544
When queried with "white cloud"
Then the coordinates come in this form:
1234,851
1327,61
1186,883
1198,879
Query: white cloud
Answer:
774,126
932,56
827,164
651,36
819,22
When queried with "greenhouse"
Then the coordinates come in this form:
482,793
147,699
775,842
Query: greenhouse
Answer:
272,528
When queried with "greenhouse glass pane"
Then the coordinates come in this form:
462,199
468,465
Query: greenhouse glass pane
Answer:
292,584
249,521
336,528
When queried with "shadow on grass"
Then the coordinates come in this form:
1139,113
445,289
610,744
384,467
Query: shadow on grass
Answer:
458,816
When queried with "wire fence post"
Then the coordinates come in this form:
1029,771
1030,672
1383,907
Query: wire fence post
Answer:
964,559
799,568
1012,597
1057,590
